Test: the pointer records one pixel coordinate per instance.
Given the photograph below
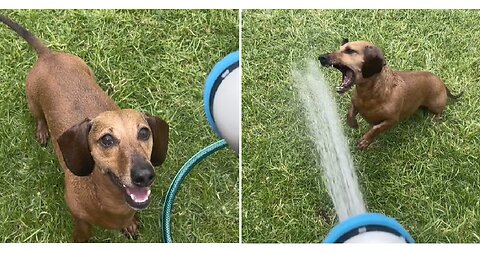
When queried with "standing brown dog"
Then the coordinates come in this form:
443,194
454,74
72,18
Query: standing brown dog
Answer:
383,97
107,153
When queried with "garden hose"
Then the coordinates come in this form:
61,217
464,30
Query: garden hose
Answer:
177,181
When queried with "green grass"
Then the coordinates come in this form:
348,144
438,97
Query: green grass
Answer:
152,61
425,175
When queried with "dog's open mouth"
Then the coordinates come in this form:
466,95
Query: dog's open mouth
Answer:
137,198
348,78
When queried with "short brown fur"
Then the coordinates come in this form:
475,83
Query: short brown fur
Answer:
72,110
384,97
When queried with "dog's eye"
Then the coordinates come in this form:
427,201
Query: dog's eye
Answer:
107,140
350,51
144,134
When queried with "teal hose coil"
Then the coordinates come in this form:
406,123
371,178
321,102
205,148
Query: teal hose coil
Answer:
177,181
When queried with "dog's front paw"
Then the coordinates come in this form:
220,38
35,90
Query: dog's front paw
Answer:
352,122
131,231
363,144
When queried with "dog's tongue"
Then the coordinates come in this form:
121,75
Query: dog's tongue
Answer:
346,81
138,194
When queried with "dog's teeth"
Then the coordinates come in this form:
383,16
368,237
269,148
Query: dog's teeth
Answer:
132,197
124,186
148,192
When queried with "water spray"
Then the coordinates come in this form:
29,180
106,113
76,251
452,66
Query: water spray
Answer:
222,108
356,224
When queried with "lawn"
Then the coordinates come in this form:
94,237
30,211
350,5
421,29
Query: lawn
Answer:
424,174
154,61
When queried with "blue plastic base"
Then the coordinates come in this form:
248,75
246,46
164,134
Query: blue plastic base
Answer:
212,83
368,222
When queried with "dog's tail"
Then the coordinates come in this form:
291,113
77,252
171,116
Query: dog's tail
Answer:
455,97
39,47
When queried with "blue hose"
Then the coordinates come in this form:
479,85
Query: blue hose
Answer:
177,181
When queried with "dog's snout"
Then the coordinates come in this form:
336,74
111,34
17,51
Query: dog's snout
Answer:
143,175
323,59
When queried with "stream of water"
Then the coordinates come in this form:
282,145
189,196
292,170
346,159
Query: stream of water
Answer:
331,146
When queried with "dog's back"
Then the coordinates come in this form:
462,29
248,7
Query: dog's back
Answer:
69,80
423,89
61,89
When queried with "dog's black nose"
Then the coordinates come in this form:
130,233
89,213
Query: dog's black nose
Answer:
143,175
323,59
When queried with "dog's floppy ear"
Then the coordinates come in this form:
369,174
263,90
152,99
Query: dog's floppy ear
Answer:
373,61
75,150
344,41
160,139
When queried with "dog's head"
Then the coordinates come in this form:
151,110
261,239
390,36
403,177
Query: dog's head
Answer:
124,145
357,60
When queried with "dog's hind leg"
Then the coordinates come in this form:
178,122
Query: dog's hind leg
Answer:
436,105
437,111
42,133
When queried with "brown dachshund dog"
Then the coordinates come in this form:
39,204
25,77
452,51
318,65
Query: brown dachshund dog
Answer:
107,153
383,97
